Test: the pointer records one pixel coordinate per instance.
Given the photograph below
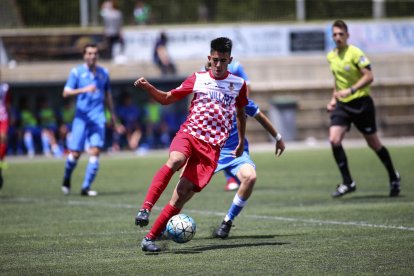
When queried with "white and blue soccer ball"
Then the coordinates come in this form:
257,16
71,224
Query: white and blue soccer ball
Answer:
181,228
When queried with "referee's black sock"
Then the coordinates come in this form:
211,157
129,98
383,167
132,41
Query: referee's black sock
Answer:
342,163
385,158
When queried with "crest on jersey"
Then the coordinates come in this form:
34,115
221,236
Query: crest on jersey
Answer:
362,59
231,86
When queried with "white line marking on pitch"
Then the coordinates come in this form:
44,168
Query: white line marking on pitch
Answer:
221,214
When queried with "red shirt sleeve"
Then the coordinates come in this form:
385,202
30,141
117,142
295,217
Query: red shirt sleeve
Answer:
241,100
185,88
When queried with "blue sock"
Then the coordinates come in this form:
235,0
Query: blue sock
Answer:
70,165
45,144
91,171
235,208
28,143
68,139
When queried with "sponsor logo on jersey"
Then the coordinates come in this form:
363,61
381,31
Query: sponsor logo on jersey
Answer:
223,98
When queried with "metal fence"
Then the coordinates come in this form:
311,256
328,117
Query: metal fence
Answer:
59,13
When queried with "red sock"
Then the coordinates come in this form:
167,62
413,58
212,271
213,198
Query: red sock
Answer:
3,149
161,222
232,180
158,185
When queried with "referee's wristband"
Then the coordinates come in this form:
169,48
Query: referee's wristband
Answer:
353,90
278,137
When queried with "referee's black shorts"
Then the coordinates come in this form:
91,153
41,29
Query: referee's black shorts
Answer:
360,112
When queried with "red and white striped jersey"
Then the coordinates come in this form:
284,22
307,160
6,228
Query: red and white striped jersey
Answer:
4,99
213,105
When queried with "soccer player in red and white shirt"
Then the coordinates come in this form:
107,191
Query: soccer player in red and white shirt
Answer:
4,125
217,96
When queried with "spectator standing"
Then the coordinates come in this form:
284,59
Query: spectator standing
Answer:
161,57
142,13
113,21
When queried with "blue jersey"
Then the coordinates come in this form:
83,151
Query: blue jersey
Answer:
237,69
251,110
227,162
89,106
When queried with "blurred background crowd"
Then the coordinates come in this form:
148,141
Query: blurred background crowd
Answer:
40,40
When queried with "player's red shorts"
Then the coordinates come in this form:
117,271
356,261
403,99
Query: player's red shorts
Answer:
4,126
202,158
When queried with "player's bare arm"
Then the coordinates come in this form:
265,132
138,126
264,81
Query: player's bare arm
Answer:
160,96
265,122
332,103
73,92
241,128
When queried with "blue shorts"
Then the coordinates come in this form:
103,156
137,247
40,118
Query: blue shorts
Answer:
232,165
83,130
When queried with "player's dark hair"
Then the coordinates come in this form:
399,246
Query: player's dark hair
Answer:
340,24
221,44
92,45
163,37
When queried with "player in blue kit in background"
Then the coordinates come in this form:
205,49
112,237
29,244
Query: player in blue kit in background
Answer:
237,69
90,84
243,167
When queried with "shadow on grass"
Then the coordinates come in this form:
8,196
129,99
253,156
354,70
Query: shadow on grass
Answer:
203,248
118,193
364,197
221,244
237,237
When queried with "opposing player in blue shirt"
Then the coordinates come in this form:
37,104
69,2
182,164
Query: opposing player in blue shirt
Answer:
90,84
243,167
236,68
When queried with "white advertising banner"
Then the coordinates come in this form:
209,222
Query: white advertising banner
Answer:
190,43
270,40
379,37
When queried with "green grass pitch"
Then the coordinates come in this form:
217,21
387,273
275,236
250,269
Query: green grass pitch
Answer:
290,225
